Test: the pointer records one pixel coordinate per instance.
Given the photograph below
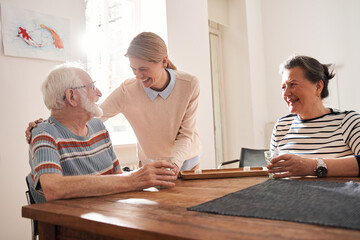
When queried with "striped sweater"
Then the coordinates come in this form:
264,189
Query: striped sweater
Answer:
332,135
54,149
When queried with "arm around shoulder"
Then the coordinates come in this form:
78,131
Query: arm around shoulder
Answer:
113,104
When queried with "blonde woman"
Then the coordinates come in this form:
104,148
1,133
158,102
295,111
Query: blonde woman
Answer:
160,103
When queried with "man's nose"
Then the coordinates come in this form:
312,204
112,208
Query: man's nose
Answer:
98,92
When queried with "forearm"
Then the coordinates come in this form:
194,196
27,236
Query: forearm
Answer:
56,186
338,167
346,166
288,165
63,187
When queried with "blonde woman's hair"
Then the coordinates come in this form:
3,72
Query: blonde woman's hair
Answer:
150,47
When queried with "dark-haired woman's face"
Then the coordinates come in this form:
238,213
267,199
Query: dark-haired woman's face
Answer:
299,93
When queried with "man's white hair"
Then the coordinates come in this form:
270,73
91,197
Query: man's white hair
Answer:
62,77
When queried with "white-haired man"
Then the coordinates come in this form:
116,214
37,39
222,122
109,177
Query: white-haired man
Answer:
71,154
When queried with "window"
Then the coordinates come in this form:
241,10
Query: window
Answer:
110,27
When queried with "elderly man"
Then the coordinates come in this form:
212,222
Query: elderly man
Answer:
71,154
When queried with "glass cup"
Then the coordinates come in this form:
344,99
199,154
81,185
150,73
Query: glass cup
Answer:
269,155
167,159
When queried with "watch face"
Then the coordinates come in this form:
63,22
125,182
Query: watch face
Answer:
321,171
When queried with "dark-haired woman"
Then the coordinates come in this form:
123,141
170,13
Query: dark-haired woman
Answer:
318,138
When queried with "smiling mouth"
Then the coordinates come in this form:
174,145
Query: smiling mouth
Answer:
292,101
145,80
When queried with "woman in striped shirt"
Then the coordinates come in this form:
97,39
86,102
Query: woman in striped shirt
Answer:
312,131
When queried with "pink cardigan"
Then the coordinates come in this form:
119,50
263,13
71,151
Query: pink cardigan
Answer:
164,128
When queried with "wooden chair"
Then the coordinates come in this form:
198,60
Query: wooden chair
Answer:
249,158
34,224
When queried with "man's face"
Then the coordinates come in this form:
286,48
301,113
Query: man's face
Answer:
89,96
91,107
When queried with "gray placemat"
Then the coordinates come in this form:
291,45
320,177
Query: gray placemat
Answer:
316,202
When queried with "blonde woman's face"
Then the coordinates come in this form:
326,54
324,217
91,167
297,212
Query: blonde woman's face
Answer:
149,73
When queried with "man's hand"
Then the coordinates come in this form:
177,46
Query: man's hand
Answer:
159,173
29,128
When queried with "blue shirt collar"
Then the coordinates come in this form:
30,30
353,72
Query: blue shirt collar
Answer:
152,94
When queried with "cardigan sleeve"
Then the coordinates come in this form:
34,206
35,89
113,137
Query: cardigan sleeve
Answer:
113,104
187,128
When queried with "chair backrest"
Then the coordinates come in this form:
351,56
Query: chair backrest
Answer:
252,157
34,224
29,197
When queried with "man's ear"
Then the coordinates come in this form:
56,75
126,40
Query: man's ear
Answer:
71,98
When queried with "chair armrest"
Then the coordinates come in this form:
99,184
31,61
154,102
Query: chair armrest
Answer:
228,162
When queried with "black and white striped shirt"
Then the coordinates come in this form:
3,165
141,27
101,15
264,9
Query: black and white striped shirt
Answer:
333,135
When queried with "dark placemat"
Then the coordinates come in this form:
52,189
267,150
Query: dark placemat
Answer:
316,202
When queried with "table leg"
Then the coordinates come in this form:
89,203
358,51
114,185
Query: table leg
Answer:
46,231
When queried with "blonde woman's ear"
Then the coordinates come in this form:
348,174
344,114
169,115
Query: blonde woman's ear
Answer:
165,61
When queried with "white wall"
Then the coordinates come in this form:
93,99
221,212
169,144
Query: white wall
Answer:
237,85
257,75
188,43
21,101
218,11
325,29
260,35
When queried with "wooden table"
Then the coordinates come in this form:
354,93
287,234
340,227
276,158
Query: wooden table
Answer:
162,214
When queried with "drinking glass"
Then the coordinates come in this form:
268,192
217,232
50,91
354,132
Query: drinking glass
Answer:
269,155
167,159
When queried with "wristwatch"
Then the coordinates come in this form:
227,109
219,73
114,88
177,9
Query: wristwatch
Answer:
321,168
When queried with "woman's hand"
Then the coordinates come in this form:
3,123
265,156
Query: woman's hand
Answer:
29,128
290,165
153,174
